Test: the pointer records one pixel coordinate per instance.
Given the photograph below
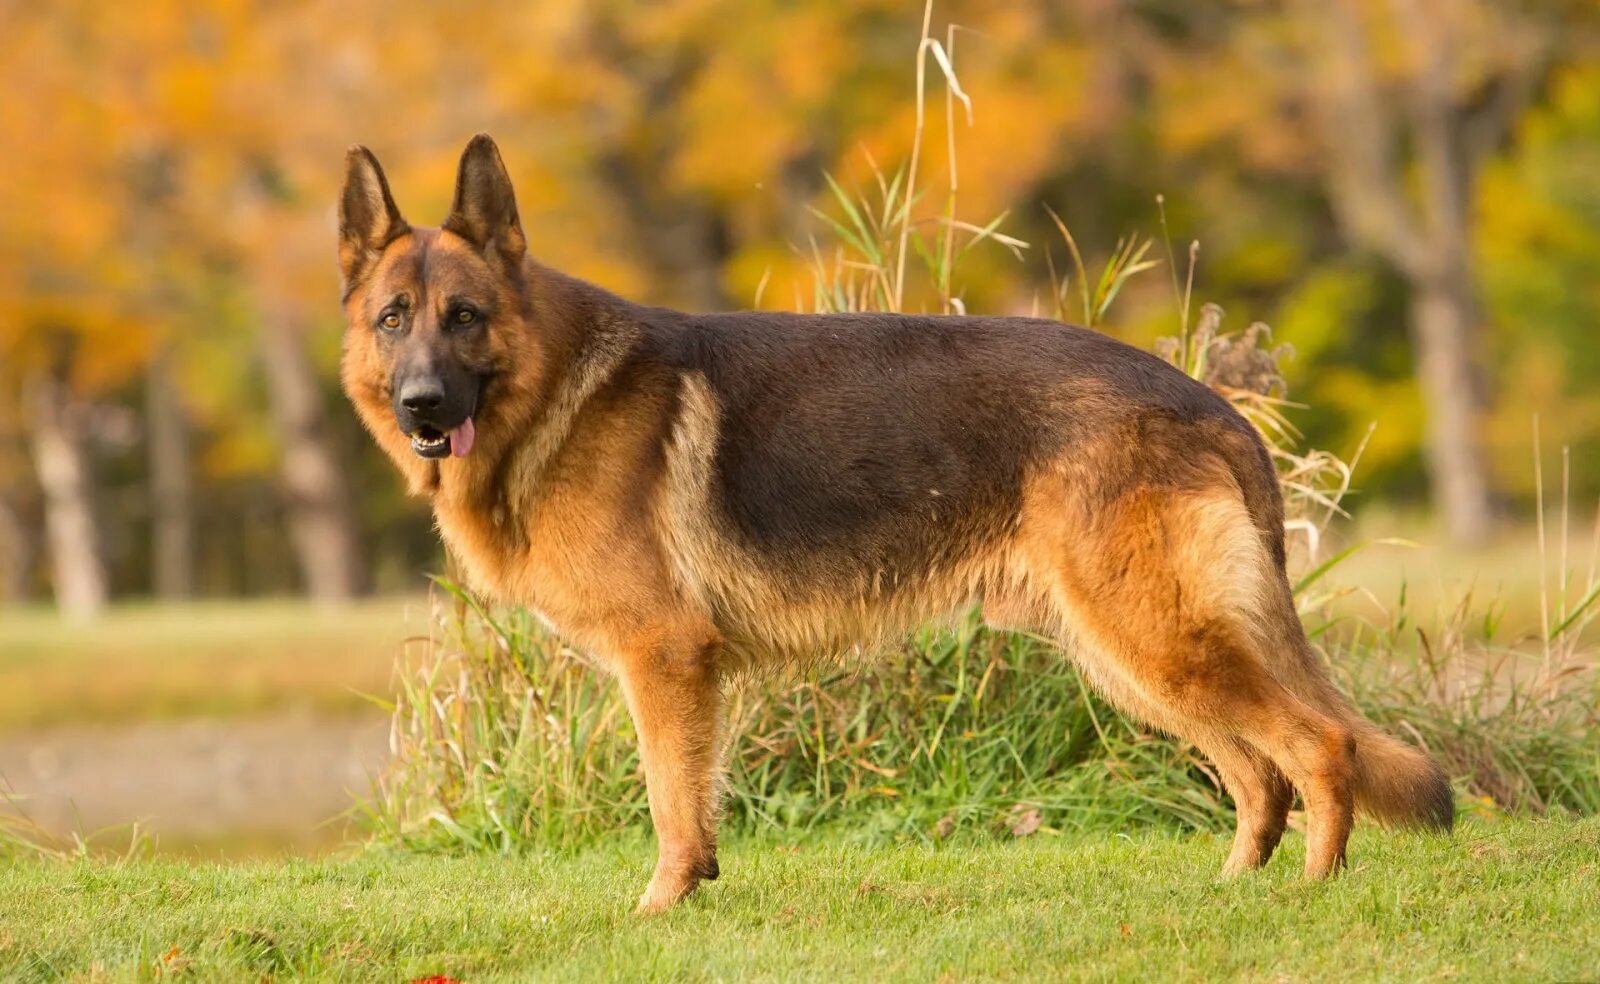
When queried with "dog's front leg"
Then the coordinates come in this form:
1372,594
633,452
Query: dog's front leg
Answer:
674,693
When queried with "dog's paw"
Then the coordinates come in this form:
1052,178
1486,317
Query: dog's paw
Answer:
661,896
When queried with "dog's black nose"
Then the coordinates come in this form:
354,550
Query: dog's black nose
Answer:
422,396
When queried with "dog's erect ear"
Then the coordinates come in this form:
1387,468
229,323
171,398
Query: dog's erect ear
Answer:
368,218
484,212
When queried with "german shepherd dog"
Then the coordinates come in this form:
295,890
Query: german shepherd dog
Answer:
691,497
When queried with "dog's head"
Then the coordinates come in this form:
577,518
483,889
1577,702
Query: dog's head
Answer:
432,315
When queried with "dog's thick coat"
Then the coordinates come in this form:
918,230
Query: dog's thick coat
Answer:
687,497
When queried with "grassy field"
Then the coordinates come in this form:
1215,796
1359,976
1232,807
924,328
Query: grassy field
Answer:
1503,900
205,658
1434,576
1514,900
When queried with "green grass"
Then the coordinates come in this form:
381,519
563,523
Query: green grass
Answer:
1514,900
214,658
1434,576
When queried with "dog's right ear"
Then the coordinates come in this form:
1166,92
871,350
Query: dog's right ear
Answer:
368,218
484,211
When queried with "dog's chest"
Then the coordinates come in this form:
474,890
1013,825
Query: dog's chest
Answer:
481,542
584,570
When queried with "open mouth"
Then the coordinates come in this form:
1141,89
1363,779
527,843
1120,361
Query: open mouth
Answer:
428,442
432,440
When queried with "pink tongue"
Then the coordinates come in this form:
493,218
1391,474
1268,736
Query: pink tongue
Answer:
461,438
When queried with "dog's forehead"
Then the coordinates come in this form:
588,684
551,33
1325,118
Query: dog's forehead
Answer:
433,267
452,266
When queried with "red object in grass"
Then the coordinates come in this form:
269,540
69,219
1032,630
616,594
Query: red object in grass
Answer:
435,979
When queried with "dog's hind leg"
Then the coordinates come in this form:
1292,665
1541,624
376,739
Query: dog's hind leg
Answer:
1261,793
1174,597
1202,685
1214,690
1261,801
674,693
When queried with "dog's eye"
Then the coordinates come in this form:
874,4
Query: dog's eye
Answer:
466,316
390,321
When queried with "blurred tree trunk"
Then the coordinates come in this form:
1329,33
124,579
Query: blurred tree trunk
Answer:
16,554
322,524
61,455
684,243
1426,236
171,488
683,240
1445,326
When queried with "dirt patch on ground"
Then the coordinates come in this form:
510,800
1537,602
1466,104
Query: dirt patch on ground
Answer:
261,783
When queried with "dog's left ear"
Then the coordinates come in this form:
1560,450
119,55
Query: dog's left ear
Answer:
484,212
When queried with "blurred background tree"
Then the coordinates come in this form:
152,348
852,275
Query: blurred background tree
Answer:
1406,189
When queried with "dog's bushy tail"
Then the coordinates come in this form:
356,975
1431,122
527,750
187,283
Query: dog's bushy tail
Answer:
1400,785
1396,784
